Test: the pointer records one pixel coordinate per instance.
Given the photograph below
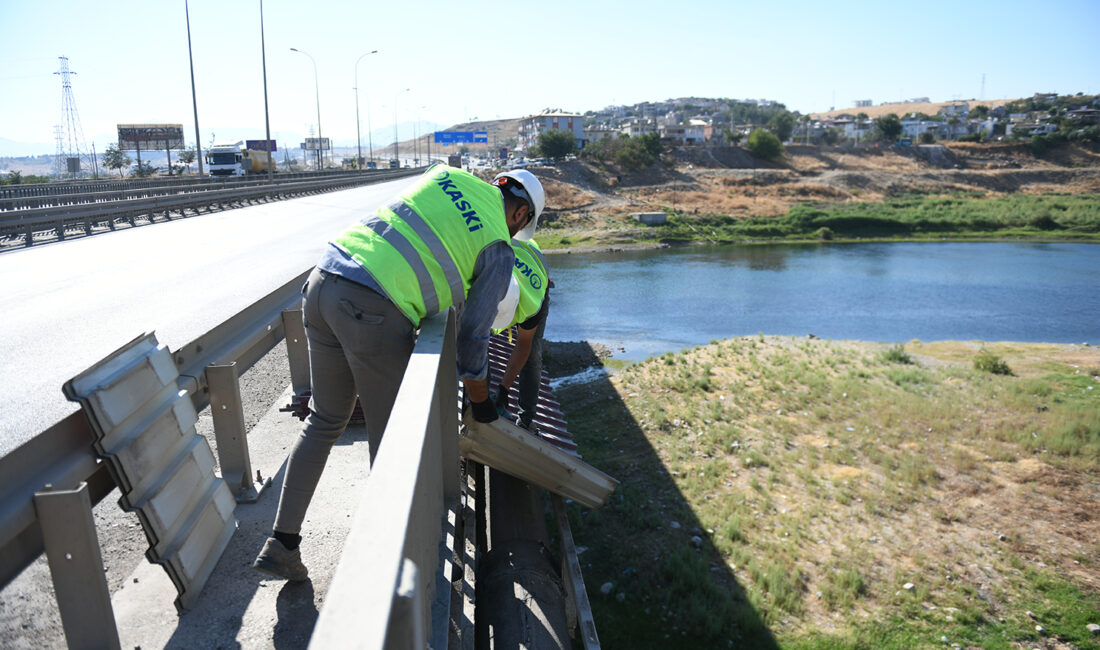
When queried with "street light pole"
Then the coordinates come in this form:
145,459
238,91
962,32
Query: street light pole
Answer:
395,154
358,137
267,117
420,134
194,101
317,93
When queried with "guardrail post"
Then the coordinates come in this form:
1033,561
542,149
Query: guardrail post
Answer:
228,414
297,350
72,550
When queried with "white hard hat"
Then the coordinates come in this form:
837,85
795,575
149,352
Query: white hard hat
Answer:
506,310
533,189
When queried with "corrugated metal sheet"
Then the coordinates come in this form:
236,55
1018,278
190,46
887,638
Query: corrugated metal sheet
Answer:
549,422
145,430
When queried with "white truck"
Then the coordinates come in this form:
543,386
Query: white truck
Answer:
233,159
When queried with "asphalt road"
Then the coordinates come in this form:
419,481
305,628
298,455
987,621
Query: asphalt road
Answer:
71,303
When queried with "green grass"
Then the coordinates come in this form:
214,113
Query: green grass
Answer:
779,492
914,217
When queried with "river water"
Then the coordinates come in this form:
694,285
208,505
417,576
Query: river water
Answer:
642,303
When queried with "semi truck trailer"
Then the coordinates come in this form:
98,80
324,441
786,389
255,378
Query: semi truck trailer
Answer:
233,159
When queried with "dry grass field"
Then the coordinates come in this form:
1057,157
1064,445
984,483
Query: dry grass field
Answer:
811,493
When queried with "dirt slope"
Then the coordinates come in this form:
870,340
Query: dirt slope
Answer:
729,180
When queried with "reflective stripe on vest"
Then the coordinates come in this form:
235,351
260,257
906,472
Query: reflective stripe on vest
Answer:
405,248
439,251
422,248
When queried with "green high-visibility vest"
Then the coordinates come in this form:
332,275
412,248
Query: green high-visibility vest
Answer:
530,272
422,248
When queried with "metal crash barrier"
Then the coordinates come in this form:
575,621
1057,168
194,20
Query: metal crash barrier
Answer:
409,583
49,484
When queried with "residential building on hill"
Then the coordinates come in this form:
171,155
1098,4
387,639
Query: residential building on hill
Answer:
530,128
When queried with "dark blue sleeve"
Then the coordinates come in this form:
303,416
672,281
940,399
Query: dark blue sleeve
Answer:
492,272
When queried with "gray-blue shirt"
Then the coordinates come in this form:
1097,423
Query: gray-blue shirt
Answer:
492,273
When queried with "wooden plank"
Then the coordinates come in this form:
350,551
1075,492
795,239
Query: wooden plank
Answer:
571,576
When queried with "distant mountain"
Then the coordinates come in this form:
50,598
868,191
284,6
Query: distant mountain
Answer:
15,148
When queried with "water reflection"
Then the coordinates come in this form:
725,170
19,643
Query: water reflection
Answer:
649,302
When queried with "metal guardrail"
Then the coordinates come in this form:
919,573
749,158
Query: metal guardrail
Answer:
111,212
63,457
395,586
43,191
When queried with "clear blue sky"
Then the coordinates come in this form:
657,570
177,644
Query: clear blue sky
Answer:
462,60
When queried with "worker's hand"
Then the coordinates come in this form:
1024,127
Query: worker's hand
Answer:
484,412
500,400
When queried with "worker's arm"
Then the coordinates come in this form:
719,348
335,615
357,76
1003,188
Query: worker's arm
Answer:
492,272
522,350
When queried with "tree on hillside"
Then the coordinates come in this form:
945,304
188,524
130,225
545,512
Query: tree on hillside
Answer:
115,158
764,144
630,153
734,137
979,112
651,143
888,127
556,143
782,125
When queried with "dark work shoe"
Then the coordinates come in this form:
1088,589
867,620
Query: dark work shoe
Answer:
276,560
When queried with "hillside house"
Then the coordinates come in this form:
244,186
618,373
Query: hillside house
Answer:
957,109
636,126
913,127
1026,129
532,127
690,133
597,133
1083,116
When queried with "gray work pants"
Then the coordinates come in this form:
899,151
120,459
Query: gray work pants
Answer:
359,344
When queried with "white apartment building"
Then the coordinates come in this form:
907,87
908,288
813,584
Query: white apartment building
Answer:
531,127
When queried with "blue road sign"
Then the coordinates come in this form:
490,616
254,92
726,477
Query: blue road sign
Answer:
455,137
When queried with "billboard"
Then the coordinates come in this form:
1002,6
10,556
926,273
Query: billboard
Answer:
455,137
258,145
313,144
150,136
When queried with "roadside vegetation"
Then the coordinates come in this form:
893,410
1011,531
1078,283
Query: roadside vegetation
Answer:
1050,217
823,494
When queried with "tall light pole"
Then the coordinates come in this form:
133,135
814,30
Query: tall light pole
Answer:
359,138
194,101
267,117
396,95
420,134
317,92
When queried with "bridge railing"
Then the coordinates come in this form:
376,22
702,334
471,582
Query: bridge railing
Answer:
61,462
414,487
392,587
112,209
10,194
